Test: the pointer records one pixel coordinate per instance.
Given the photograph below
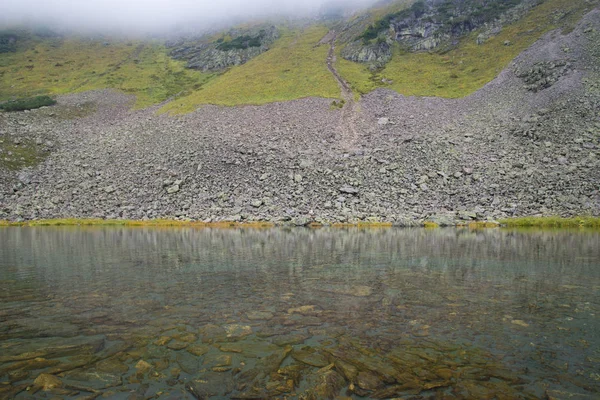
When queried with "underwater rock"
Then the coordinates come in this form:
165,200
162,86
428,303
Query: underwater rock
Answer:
325,383
217,360
112,365
143,366
355,290
47,382
29,365
285,340
196,391
305,310
93,379
211,332
237,332
259,315
177,345
230,348
52,348
310,356
198,350
369,381
349,371
188,363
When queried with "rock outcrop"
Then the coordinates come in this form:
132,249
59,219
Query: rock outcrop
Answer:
431,24
235,48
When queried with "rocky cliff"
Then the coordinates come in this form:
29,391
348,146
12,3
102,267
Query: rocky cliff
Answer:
431,24
236,47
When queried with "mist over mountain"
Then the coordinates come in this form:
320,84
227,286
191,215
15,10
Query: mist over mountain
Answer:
159,16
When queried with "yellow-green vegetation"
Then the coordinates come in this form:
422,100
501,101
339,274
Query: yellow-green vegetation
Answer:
61,66
466,68
552,222
293,68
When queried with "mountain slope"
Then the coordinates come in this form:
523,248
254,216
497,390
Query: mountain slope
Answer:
527,143
467,67
61,65
293,67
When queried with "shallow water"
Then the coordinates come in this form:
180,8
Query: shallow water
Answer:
136,313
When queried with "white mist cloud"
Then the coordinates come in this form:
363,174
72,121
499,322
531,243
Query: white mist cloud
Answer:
152,15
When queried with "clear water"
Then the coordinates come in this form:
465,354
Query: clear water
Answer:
135,313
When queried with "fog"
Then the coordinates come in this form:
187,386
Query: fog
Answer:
156,16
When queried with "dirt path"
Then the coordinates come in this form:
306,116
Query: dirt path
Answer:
348,133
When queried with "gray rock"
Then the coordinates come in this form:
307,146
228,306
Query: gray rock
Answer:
347,189
173,189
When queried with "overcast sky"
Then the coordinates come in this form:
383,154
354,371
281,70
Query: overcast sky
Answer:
150,15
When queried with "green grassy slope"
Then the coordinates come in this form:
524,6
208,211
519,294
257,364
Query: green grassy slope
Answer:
468,67
56,66
293,68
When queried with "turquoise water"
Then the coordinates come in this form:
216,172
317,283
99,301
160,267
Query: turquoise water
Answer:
136,313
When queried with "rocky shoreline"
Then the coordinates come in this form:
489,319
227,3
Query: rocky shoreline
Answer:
528,143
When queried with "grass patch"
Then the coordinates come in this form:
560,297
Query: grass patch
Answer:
465,69
293,68
552,222
14,157
28,103
60,66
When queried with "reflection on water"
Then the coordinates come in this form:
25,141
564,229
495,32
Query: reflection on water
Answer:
183,313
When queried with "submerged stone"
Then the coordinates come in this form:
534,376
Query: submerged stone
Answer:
305,310
177,345
349,290
520,322
236,331
324,384
47,382
29,365
112,365
310,357
198,350
349,371
188,363
217,360
292,339
259,315
369,380
93,379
